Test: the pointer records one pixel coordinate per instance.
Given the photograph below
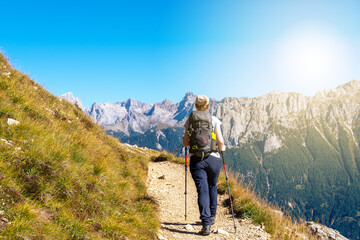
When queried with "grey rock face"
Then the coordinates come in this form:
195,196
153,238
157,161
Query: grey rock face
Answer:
125,116
249,119
272,142
324,233
184,108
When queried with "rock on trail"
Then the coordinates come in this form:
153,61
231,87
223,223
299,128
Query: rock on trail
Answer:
166,183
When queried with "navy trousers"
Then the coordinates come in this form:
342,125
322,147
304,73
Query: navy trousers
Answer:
205,174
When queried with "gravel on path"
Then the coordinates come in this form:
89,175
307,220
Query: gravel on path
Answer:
166,184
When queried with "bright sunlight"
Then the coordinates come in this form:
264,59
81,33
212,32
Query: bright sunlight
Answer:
310,59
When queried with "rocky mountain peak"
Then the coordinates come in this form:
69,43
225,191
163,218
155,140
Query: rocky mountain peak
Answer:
166,104
352,85
185,107
349,88
133,104
189,95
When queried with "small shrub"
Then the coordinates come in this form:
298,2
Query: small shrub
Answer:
126,173
164,156
87,123
96,226
91,186
31,186
9,195
149,199
4,85
17,99
46,169
59,115
161,158
64,188
98,169
77,106
4,112
78,112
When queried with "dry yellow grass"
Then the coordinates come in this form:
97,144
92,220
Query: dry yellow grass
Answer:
248,205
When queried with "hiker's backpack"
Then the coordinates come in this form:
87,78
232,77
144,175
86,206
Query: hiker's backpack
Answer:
201,134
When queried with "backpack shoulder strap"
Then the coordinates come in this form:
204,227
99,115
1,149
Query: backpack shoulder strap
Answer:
191,117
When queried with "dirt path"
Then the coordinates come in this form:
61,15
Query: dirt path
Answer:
166,184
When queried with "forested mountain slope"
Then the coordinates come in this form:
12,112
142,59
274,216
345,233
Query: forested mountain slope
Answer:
300,152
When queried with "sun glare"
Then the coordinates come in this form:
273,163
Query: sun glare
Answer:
307,60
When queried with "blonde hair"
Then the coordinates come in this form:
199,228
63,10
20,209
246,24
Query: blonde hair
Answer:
202,103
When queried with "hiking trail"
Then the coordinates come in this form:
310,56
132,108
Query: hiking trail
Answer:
166,184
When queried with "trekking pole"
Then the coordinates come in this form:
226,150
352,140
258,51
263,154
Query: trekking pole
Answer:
185,182
227,182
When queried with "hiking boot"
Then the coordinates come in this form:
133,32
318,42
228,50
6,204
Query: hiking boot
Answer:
205,230
212,220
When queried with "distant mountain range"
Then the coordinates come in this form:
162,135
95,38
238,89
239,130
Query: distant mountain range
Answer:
134,117
300,152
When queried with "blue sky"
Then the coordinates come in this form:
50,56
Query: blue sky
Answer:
109,51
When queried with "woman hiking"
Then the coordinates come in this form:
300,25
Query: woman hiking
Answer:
205,160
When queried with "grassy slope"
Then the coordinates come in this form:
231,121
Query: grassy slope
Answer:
61,176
